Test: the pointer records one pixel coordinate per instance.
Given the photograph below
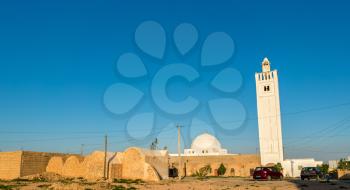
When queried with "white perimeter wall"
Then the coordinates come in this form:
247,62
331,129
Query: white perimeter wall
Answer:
292,167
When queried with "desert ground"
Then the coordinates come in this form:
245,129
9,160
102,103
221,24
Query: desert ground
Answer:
52,181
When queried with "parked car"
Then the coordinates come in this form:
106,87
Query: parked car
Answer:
311,173
267,173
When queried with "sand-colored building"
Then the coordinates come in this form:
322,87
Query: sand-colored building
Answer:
133,163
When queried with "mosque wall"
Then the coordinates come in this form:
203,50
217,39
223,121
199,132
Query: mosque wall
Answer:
236,165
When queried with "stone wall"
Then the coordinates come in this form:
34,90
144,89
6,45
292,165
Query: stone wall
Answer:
236,165
35,162
22,163
10,164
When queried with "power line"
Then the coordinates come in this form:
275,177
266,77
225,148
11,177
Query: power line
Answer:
305,139
317,151
327,130
72,138
221,122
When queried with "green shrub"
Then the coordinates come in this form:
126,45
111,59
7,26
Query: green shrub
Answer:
221,169
128,181
7,187
20,179
120,187
344,164
278,167
324,168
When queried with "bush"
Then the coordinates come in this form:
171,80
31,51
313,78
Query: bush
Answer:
128,181
278,167
221,169
120,187
344,164
8,187
324,168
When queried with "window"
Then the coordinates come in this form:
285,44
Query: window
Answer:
266,88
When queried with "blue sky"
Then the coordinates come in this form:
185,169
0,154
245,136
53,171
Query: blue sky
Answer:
58,58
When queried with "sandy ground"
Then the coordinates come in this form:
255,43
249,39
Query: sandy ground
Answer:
185,184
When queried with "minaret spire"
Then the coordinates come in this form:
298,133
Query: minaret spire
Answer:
266,65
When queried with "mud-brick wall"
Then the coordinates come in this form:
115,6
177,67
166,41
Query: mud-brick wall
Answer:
10,164
35,162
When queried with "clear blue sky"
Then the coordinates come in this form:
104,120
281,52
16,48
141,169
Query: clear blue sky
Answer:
58,58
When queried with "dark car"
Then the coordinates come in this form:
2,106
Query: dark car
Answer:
311,173
267,173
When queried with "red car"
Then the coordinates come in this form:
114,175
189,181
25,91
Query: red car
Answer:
267,173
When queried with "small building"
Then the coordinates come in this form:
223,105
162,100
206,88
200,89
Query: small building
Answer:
292,167
333,164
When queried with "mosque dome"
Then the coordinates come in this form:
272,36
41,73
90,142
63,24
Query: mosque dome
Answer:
206,142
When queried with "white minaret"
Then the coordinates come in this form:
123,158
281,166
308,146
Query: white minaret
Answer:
269,115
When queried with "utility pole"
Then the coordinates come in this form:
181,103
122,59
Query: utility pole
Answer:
105,160
82,150
179,150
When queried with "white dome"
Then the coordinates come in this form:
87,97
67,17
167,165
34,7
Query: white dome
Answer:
206,142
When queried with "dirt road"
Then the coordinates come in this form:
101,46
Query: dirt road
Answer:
185,184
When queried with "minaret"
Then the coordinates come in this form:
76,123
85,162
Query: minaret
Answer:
269,115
